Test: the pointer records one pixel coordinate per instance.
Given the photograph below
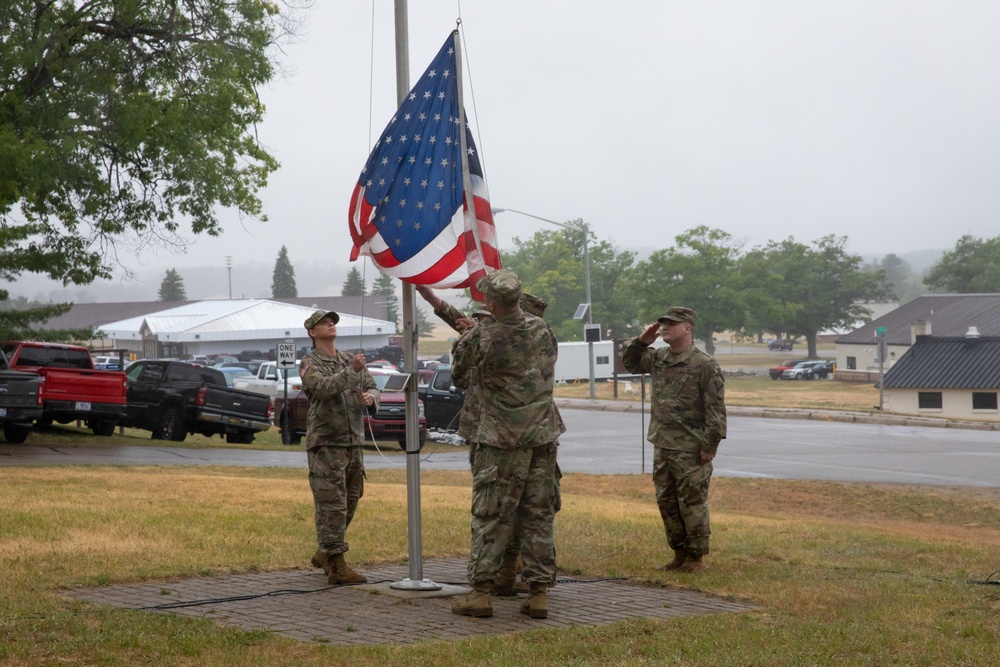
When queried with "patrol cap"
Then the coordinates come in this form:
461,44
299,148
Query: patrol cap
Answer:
481,313
678,314
318,315
533,305
502,286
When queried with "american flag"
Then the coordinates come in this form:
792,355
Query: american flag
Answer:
408,211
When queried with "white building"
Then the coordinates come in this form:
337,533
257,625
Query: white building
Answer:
230,327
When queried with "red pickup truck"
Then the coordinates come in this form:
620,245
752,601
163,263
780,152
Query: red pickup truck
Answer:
74,389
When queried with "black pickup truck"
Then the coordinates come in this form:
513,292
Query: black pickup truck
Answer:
174,398
20,401
442,400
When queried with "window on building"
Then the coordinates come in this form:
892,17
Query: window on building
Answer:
984,400
929,400
602,361
852,363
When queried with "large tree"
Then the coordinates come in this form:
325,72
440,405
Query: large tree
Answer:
172,287
551,265
817,287
121,121
354,285
699,272
973,267
283,278
385,287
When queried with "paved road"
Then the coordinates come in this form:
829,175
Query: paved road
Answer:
612,442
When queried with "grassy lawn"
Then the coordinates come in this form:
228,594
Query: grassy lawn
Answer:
843,574
757,391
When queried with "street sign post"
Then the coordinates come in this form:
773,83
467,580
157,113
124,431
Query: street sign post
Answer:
284,359
285,355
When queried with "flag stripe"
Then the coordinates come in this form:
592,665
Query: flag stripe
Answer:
407,211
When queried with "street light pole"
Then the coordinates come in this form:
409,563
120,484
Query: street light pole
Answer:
229,268
577,226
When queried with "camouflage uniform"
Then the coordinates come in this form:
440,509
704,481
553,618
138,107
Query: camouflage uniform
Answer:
469,416
688,417
511,362
334,436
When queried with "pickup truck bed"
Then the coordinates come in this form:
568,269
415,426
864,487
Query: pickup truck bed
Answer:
174,398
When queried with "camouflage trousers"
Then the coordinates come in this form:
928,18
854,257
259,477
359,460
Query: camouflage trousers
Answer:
337,479
681,483
514,488
514,543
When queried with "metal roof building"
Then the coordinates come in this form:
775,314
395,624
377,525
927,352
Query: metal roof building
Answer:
946,315
954,376
219,327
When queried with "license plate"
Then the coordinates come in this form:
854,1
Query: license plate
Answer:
234,420
83,406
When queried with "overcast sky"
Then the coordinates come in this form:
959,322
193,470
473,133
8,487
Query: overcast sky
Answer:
871,119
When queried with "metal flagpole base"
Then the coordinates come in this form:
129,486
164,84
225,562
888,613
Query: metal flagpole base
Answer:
415,585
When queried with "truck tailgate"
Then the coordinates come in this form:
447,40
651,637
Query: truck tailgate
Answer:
82,385
237,402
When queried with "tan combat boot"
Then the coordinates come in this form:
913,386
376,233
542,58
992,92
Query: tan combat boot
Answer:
477,603
507,582
341,573
693,564
537,604
319,560
680,555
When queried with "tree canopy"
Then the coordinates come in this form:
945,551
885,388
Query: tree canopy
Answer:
121,121
973,267
172,287
354,284
551,265
807,289
283,279
699,272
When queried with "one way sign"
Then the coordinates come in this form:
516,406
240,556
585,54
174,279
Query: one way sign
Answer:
286,355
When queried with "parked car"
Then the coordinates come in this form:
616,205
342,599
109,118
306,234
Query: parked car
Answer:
107,363
802,370
825,369
253,365
74,389
174,398
776,372
442,400
781,344
233,373
388,422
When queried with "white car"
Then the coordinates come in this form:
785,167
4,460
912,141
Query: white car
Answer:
104,363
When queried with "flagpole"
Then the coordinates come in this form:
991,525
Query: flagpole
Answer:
416,581
466,176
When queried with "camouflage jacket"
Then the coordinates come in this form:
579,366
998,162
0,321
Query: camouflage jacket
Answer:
468,418
334,392
688,396
449,314
511,362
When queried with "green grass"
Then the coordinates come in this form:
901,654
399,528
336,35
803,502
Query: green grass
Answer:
842,574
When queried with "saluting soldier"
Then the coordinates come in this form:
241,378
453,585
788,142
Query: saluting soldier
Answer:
687,423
